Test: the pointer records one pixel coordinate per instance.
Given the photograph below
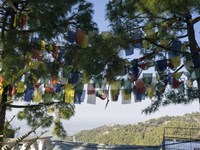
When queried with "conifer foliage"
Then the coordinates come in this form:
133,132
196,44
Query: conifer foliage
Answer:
165,35
38,41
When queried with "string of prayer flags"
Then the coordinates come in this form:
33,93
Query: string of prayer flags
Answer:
71,36
114,90
69,93
91,98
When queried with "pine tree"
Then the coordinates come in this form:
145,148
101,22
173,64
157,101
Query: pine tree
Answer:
37,48
163,32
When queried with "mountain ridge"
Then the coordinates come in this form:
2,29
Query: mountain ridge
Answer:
149,132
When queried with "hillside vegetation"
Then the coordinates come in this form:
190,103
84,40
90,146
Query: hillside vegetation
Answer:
143,133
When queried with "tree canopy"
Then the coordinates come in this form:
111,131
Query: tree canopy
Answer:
49,50
36,50
166,33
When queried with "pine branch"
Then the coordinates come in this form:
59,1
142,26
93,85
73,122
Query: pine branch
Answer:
195,20
163,47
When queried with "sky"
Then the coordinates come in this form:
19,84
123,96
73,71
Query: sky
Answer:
91,116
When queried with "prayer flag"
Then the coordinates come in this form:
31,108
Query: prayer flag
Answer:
20,87
71,35
69,93
147,78
115,89
80,36
29,94
85,42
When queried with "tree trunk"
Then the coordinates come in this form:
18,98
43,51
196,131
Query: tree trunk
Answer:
195,54
3,100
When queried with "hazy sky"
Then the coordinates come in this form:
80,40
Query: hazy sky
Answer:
90,116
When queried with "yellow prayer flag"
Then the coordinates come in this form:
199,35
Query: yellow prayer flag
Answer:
105,35
183,47
69,93
20,87
37,95
42,44
176,61
145,44
84,44
164,42
50,47
15,21
1,88
150,92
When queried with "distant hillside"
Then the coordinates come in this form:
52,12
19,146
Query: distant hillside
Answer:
143,133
